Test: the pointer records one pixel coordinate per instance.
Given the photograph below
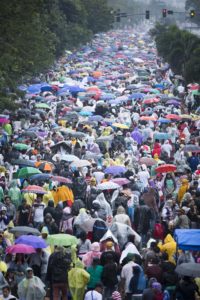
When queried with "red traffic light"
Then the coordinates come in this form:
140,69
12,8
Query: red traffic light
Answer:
164,12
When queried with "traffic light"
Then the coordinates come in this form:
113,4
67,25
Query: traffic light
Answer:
118,16
164,12
192,13
147,14
170,12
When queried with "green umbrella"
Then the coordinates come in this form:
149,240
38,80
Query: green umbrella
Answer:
42,105
21,146
62,239
27,172
196,92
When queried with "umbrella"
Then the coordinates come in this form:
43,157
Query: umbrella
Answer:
107,138
61,179
42,105
24,230
34,189
163,120
188,269
29,134
191,148
4,120
81,163
119,125
65,157
97,118
115,170
188,117
20,248
84,113
150,101
136,96
166,168
27,172
120,181
148,118
173,102
173,117
148,161
41,177
161,136
22,162
31,240
109,185
62,239
20,146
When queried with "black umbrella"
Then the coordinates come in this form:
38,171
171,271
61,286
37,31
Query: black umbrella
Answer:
22,162
188,269
20,230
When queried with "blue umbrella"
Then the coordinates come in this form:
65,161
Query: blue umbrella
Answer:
107,96
161,136
85,113
91,79
22,88
115,170
136,96
40,177
96,118
163,120
31,240
115,101
75,89
45,87
34,88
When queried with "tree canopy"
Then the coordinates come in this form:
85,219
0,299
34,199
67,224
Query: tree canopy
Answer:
34,33
180,48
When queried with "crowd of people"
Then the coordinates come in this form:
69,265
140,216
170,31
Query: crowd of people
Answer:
99,166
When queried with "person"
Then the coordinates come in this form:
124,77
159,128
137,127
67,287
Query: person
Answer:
121,216
19,266
15,194
95,271
23,217
58,266
95,294
11,209
78,279
84,244
50,224
4,219
10,278
31,287
7,293
89,256
186,289
38,212
109,276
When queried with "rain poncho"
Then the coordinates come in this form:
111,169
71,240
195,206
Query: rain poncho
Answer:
31,289
183,189
78,278
104,204
95,252
169,246
15,194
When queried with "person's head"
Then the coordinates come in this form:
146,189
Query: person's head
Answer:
99,287
24,202
6,291
157,287
1,235
3,210
93,181
39,198
131,238
19,258
48,218
109,245
164,256
7,200
83,235
10,273
29,273
50,203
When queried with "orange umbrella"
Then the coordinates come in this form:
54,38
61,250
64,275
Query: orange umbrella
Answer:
148,118
46,166
173,117
97,74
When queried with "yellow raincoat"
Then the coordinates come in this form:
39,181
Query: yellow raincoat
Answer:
183,189
169,246
78,279
63,193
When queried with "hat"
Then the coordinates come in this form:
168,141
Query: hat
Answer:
116,296
3,208
109,244
29,269
119,132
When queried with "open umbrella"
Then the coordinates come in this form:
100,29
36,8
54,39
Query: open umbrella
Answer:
148,118
115,170
27,172
22,162
61,179
62,239
119,125
80,163
173,117
31,240
20,248
120,181
165,168
148,161
108,185
42,105
41,176
19,230
65,157
20,146
34,189
46,166
188,269
191,148
150,101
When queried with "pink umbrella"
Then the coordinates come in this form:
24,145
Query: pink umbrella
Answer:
61,179
120,181
20,248
4,120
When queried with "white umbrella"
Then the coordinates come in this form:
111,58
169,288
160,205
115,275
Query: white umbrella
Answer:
81,163
65,157
108,186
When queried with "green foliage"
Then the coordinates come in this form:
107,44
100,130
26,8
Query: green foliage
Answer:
34,33
180,48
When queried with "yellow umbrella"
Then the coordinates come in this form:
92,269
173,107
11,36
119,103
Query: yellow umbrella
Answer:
185,116
121,126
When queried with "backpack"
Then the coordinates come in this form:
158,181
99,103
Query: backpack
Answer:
137,285
158,232
99,229
158,295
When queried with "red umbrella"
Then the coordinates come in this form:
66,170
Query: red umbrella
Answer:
150,101
20,248
34,189
173,117
148,118
148,161
166,168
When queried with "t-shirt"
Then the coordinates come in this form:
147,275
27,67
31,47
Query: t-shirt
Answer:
93,295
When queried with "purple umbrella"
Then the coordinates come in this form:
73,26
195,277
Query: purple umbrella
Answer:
137,136
173,102
115,170
31,240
